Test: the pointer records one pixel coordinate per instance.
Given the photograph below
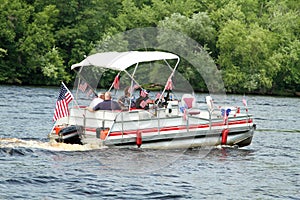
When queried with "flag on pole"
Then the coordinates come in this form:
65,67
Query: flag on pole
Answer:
63,100
184,114
244,102
116,82
225,114
157,96
225,118
169,85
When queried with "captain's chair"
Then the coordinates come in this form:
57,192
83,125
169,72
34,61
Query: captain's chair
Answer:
189,102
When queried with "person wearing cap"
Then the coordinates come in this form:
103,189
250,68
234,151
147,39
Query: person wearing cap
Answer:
143,101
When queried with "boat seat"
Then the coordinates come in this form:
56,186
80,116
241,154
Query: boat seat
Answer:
189,102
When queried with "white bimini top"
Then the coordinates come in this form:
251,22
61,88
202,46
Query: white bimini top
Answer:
120,61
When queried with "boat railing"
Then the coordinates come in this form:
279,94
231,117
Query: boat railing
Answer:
140,119
134,119
85,118
154,118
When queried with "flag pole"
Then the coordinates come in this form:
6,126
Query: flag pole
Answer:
68,108
245,104
84,111
72,95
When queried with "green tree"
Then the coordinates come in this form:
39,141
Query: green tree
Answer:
283,19
244,53
198,27
137,15
14,16
229,61
255,43
36,42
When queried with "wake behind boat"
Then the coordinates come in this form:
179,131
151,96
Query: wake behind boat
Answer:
165,118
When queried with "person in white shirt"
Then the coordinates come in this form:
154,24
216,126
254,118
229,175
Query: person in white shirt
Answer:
97,100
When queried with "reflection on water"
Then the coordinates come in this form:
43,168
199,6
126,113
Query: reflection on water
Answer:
33,168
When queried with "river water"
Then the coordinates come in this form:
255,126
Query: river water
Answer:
32,168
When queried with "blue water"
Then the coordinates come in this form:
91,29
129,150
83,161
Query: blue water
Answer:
32,168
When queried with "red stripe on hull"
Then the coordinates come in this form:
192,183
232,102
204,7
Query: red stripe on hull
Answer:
176,128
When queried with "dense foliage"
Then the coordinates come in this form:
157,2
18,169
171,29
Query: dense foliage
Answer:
254,43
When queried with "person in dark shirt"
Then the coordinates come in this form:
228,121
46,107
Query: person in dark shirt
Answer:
107,104
143,101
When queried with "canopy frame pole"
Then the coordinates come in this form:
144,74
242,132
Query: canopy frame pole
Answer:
172,74
131,82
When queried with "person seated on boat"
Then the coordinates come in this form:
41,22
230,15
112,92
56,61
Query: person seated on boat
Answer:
125,100
97,100
107,104
163,102
143,101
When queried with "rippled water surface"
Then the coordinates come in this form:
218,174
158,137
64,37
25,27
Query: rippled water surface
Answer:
32,168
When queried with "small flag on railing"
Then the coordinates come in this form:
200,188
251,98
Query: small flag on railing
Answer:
225,114
63,100
116,82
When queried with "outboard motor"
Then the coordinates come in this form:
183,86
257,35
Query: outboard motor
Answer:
70,135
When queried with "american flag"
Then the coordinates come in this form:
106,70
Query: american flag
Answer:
143,104
63,100
83,86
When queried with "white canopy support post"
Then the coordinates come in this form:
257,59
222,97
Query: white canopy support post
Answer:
131,82
170,77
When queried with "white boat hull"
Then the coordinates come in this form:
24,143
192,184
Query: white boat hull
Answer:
145,129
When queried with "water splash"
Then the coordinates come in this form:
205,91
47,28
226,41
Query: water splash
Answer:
51,146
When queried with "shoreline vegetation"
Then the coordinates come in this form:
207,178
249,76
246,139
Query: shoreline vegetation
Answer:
197,90
255,44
